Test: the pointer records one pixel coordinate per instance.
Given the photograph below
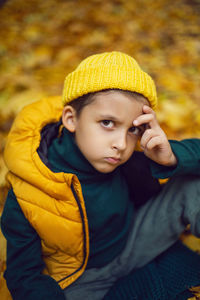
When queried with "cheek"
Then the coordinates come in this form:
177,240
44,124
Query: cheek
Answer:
131,146
93,135
88,142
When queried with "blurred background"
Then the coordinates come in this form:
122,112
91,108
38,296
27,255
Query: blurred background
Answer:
42,41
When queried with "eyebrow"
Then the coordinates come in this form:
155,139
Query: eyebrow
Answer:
110,117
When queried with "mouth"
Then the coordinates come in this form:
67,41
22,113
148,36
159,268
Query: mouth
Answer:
113,160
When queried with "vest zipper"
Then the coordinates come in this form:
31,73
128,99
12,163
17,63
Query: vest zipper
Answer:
84,233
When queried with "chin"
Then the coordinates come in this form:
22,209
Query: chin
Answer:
106,170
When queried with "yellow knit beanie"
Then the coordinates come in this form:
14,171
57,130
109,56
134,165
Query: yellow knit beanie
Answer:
109,70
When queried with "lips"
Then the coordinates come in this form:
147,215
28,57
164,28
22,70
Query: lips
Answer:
113,160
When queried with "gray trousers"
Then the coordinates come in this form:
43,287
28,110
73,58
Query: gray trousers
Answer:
156,226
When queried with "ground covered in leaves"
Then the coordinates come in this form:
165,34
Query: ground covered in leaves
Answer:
42,41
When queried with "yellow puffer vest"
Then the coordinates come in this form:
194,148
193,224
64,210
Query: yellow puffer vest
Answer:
52,202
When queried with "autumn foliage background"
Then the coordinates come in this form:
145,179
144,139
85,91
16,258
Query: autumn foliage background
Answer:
42,41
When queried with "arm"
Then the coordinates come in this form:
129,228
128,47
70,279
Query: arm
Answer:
167,158
187,153
24,261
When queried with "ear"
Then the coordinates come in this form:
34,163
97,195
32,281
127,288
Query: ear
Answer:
69,118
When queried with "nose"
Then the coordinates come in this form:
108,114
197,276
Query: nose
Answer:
120,142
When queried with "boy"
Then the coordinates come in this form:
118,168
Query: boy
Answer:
85,209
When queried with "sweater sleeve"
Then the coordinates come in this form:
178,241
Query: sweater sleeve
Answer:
187,153
24,260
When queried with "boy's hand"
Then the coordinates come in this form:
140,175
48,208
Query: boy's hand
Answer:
154,142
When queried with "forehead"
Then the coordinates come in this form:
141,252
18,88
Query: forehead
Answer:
115,105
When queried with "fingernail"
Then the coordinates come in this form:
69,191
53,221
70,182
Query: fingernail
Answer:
135,122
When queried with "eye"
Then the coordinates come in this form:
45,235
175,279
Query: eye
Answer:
136,130
107,123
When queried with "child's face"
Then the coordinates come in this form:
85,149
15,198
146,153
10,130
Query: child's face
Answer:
104,131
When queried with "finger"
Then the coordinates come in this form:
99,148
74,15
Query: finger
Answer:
146,137
148,110
153,142
146,119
